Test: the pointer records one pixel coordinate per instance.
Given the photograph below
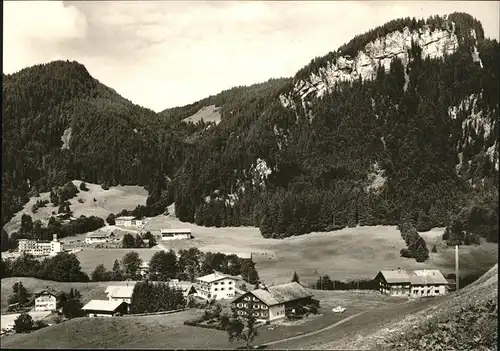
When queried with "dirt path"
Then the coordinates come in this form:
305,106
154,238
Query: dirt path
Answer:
363,322
314,332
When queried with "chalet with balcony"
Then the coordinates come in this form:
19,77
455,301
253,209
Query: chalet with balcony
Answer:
275,302
216,286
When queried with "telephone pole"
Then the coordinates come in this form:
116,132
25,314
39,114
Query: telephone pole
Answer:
456,269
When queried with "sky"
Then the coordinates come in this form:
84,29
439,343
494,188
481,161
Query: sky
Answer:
161,54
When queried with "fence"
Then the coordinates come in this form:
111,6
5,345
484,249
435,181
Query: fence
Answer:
153,313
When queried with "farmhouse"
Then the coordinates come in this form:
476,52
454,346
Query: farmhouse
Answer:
418,283
105,308
428,282
175,234
47,300
99,237
120,293
40,248
275,302
216,286
128,221
394,282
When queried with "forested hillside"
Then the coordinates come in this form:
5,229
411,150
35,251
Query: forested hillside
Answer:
60,124
367,138
399,123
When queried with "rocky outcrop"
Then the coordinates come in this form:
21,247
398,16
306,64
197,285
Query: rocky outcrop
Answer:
380,52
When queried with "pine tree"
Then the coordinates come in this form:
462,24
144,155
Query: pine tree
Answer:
295,278
422,253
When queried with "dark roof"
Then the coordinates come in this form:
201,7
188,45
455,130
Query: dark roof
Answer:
55,293
395,276
279,294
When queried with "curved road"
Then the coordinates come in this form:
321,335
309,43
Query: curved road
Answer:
364,322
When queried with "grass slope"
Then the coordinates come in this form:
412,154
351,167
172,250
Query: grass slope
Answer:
107,201
168,331
348,253
405,331
207,114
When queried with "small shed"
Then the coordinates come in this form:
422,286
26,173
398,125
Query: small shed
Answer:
105,308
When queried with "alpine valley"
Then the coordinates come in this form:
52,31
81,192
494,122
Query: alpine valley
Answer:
400,123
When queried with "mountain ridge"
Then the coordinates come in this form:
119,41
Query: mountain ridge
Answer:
377,149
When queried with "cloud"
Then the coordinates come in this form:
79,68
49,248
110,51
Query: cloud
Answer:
164,54
34,29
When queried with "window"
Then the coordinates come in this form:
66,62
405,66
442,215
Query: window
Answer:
221,289
247,298
264,307
255,306
230,282
230,288
215,289
222,282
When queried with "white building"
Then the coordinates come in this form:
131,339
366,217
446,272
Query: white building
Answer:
418,283
427,282
175,234
99,237
40,248
121,293
48,300
129,221
216,286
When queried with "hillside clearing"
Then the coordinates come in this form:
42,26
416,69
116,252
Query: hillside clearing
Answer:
107,201
207,114
90,258
349,253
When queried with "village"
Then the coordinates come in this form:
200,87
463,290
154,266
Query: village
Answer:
270,304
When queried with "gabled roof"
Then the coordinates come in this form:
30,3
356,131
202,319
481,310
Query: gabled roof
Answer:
100,235
120,291
395,276
210,278
55,293
427,277
102,305
279,294
176,231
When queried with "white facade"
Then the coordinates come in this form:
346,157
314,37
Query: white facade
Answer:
276,312
428,290
128,221
40,248
120,293
98,238
175,234
45,302
215,286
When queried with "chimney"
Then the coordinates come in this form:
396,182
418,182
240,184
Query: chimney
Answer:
54,237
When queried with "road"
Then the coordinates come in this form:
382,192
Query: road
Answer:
364,322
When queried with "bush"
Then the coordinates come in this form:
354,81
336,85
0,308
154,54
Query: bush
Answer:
83,187
23,323
111,219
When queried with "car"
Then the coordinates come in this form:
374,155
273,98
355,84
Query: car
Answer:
338,309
